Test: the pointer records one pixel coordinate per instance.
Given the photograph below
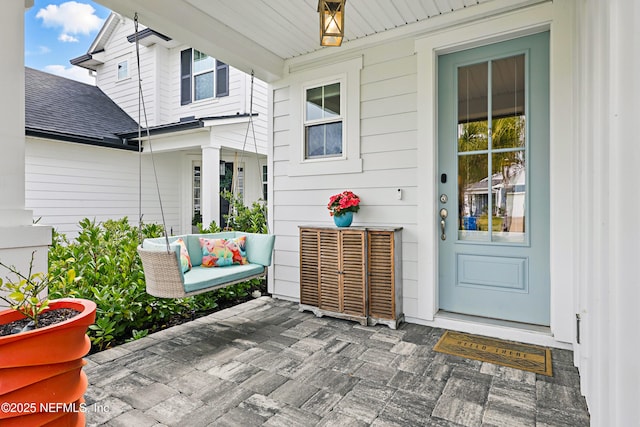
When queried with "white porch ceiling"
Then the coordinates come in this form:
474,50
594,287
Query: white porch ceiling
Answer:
290,28
261,35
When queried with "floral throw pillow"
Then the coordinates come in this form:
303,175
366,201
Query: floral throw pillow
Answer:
223,252
240,250
185,259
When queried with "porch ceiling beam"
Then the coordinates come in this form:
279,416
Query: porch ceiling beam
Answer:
187,24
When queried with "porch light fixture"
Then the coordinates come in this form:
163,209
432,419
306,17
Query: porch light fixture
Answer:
223,168
331,22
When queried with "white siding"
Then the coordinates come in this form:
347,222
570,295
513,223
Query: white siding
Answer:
160,71
125,92
260,107
66,182
388,151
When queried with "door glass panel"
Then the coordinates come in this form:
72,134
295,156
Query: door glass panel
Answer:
472,107
473,200
507,88
509,201
508,131
491,151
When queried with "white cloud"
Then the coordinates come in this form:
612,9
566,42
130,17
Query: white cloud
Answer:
42,50
73,72
73,17
67,38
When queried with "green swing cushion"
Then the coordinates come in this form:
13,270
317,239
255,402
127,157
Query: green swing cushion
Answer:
203,277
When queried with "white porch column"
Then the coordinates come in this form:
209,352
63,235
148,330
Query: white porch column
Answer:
609,205
18,237
624,282
210,193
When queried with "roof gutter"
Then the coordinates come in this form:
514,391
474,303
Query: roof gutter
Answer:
119,144
185,124
162,129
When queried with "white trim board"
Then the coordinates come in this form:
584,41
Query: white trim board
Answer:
512,331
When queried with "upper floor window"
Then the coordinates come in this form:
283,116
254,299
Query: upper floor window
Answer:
201,77
123,70
323,121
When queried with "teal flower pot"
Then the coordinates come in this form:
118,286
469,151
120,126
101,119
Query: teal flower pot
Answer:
343,220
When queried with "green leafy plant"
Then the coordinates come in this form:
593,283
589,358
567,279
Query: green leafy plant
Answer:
212,228
251,219
27,293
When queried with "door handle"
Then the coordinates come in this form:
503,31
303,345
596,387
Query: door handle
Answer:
443,216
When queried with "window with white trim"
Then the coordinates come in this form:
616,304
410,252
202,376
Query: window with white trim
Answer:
196,196
201,77
239,183
123,70
264,182
325,118
323,122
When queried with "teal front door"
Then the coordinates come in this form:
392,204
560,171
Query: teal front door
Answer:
493,161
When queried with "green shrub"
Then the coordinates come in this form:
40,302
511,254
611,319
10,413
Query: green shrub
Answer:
109,272
248,219
251,219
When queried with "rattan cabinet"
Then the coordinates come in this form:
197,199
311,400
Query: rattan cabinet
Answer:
384,277
351,273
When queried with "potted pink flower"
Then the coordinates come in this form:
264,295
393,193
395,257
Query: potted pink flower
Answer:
342,206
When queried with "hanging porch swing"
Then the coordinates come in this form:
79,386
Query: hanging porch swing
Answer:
190,264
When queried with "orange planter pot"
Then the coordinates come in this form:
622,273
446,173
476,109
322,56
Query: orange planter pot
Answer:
41,378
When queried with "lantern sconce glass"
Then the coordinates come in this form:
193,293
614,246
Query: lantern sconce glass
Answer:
223,168
331,22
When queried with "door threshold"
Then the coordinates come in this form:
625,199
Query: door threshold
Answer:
497,328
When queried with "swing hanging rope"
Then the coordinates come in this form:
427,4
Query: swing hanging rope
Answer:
250,127
142,111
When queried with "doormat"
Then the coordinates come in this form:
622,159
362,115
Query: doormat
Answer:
506,353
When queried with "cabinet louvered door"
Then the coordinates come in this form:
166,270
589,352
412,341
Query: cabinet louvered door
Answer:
309,267
381,274
330,292
353,271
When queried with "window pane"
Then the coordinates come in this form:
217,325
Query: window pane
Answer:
332,100
333,138
203,86
324,140
509,193
314,103
323,102
507,88
196,192
315,141
201,62
472,107
473,136
123,70
473,197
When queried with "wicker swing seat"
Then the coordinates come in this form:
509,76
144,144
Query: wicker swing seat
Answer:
163,270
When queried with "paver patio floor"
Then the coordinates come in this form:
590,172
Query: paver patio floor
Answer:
265,363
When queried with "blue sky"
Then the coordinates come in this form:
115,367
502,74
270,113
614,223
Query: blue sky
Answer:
59,30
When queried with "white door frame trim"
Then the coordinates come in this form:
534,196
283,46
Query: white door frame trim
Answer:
548,16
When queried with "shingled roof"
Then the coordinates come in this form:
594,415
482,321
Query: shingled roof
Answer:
68,110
